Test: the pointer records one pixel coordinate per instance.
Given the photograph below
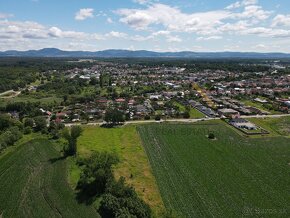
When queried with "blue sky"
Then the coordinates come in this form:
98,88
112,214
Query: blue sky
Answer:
159,25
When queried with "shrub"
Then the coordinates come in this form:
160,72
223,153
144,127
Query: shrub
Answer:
186,115
157,117
72,136
97,172
28,122
27,130
211,135
40,123
147,117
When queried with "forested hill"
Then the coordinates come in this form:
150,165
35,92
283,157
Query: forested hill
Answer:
53,52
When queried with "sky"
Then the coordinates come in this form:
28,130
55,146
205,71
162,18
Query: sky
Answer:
156,25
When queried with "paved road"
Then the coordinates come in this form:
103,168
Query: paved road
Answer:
179,120
147,121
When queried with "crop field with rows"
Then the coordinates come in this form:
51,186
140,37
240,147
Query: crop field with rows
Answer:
33,183
229,176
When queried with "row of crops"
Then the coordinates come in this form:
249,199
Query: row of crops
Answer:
33,183
230,176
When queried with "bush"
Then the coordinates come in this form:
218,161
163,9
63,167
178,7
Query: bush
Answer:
186,115
40,123
28,122
114,116
4,121
27,130
10,136
211,136
72,136
123,206
97,172
109,206
157,117
147,117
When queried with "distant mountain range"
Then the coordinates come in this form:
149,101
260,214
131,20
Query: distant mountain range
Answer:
53,52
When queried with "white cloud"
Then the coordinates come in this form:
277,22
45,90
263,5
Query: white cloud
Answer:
255,12
208,25
12,29
208,38
109,20
240,4
144,2
55,32
84,13
58,33
172,19
161,33
249,2
4,15
136,19
267,32
174,39
33,30
260,46
116,34
161,25
27,29
281,20
234,6
234,27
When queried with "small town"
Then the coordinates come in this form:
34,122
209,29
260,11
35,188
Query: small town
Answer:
162,93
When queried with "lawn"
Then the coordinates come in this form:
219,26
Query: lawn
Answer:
33,183
180,106
260,106
231,176
276,126
134,165
23,98
195,114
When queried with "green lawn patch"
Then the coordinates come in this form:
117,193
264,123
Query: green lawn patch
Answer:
195,114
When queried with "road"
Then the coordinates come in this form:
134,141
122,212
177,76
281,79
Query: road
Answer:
9,94
267,116
179,120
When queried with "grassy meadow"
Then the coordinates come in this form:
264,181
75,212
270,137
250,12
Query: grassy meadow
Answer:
134,164
45,99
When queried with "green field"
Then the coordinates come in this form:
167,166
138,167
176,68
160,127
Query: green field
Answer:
33,183
231,176
276,126
134,164
32,99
